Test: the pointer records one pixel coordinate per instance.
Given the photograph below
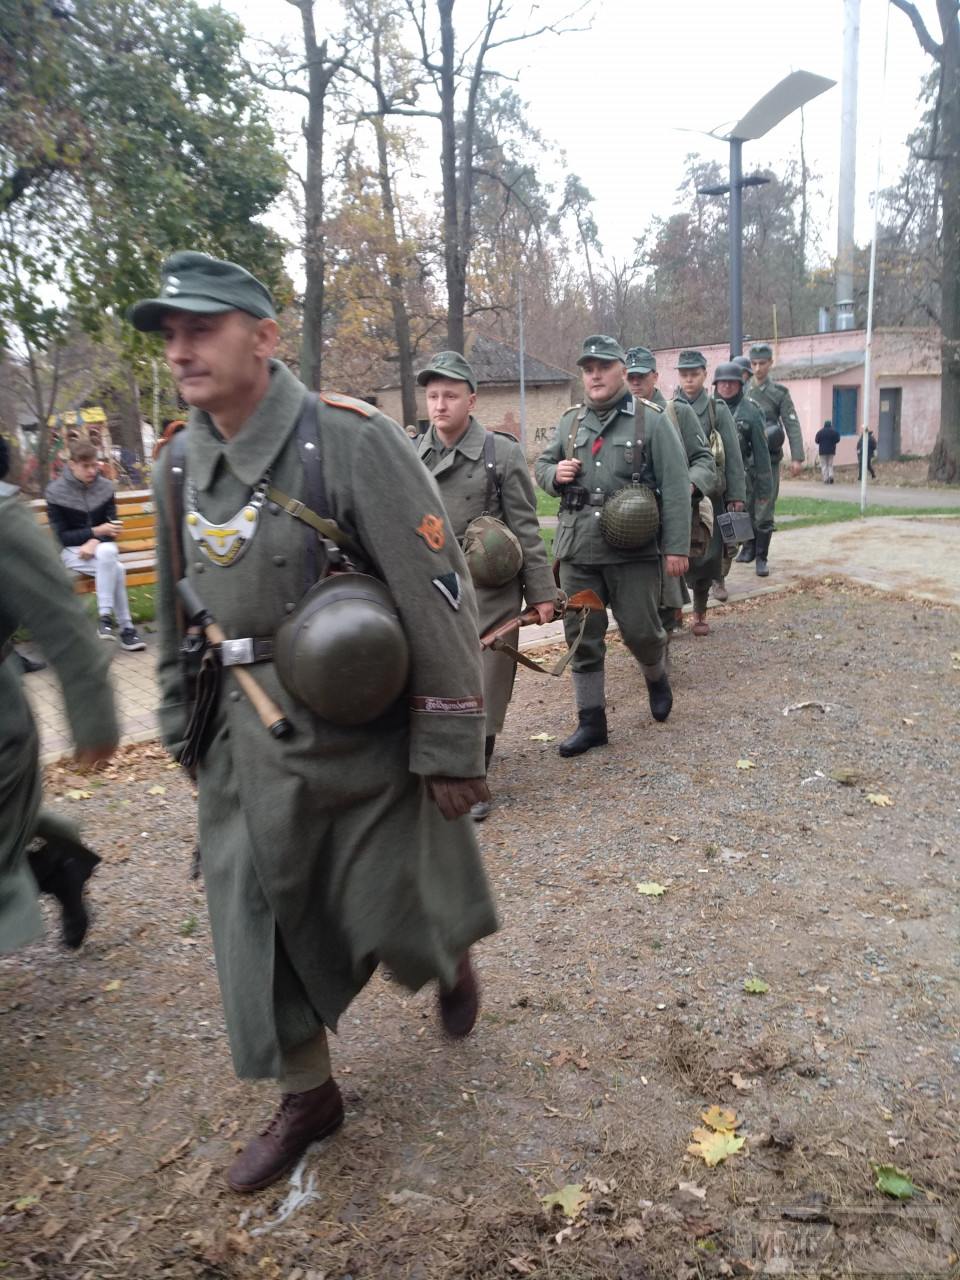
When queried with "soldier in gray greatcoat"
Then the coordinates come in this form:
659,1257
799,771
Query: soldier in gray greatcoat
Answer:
484,473
40,849
341,845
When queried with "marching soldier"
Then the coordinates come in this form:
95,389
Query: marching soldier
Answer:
335,721
729,492
608,458
642,378
751,431
776,404
486,488
35,592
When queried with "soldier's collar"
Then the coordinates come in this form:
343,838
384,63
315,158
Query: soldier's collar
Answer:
626,404
470,443
259,441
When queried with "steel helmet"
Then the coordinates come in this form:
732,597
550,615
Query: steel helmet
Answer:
492,552
729,371
343,652
630,518
745,363
775,437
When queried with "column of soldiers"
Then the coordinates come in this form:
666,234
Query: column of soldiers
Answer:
318,624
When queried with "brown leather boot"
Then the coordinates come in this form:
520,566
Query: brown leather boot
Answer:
300,1119
701,627
459,1006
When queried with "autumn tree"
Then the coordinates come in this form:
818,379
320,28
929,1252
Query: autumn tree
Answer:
944,153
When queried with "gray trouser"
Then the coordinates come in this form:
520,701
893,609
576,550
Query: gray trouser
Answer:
109,575
826,466
632,590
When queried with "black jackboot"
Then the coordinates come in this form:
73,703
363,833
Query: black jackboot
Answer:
763,550
62,869
591,732
661,697
748,553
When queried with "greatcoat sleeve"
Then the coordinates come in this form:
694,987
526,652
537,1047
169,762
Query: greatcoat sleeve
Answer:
519,504
35,580
762,462
402,525
791,425
173,714
700,460
545,467
736,490
670,468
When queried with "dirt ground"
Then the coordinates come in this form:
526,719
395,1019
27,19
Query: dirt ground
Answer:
911,473
612,1018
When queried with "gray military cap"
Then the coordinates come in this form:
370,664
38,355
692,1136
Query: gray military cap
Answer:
448,364
641,360
196,282
600,346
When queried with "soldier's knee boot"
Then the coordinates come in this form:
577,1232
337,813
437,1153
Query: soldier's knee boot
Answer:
590,732
62,870
658,689
763,550
748,552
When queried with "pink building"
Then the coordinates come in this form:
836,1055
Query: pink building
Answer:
824,372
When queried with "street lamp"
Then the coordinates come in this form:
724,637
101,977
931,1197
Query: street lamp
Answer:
788,96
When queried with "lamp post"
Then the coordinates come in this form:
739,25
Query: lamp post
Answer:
786,97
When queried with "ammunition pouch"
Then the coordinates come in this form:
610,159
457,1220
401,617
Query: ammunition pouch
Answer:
574,497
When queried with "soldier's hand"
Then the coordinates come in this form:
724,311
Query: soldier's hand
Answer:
677,566
568,470
545,612
796,468
89,756
735,506
456,796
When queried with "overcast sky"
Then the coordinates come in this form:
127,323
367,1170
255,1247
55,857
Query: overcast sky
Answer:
616,99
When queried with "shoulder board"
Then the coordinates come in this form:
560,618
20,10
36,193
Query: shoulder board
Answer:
346,402
573,408
651,404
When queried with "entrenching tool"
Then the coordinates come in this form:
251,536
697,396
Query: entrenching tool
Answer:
582,602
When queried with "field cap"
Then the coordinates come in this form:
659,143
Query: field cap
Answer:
761,351
206,286
641,360
600,346
691,360
448,364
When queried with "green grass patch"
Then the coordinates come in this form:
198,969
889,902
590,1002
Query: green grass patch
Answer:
142,604
810,511
548,535
547,506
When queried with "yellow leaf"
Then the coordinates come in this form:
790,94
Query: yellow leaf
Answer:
879,799
570,1200
157,791
719,1118
651,889
714,1147
79,795
542,737
745,764
113,985
755,986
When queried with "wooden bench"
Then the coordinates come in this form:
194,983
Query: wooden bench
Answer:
137,541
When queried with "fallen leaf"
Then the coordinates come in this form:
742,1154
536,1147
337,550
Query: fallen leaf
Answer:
631,1230
674,839
893,1182
113,985
745,764
570,1200
651,889
720,1118
691,1189
712,1147
879,799
156,790
741,1083
521,1265
51,1227
25,1202
755,986
543,737
193,1182
174,1153
75,794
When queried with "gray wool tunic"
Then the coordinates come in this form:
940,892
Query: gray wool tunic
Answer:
322,852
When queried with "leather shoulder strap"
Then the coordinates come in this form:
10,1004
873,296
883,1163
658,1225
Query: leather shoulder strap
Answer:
490,467
175,455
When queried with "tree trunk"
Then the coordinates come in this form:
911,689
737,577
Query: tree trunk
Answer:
453,250
395,278
319,75
945,459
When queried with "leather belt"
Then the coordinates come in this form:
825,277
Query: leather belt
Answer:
246,650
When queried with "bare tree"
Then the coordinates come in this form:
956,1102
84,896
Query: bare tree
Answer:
945,153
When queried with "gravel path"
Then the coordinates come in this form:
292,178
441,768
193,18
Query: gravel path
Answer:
612,1018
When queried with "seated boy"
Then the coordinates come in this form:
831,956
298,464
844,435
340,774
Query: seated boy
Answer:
83,515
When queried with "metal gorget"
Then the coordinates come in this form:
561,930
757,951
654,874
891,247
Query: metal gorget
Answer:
224,544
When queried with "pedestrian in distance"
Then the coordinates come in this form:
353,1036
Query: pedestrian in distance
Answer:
334,720
826,440
491,505
871,451
82,510
620,470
